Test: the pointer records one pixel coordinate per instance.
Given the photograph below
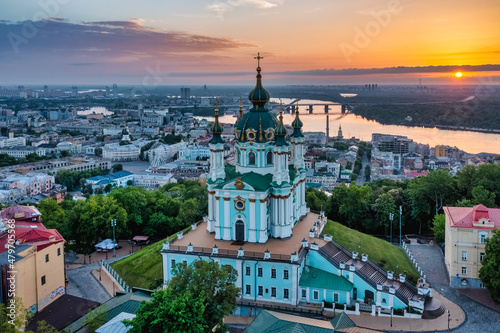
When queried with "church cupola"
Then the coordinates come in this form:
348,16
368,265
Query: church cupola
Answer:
257,125
297,141
297,125
216,128
259,96
280,131
216,150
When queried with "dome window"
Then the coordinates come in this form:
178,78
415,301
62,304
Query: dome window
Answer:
239,204
251,158
251,134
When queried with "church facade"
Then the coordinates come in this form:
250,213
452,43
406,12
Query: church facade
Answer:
259,224
263,194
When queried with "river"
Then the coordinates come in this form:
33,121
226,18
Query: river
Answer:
352,125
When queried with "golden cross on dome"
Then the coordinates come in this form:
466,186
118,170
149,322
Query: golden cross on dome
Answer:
258,57
241,100
216,103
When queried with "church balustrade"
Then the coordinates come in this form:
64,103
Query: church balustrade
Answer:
232,253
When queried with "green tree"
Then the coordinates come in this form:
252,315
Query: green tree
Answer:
108,188
95,318
353,204
482,196
367,173
383,206
166,313
91,219
53,215
189,212
116,168
315,199
12,316
43,327
489,272
429,194
487,176
135,200
464,203
438,228
215,283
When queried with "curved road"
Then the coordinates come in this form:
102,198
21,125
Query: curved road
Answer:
479,318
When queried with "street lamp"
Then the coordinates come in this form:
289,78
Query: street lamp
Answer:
391,316
400,213
448,319
391,217
113,224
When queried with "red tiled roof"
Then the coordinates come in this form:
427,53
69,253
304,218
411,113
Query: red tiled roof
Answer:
19,212
33,234
464,217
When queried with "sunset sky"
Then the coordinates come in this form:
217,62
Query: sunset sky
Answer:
214,42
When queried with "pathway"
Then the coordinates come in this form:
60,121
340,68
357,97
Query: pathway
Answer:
479,318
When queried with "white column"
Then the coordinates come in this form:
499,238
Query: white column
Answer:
218,218
263,222
282,212
211,222
227,220
252,237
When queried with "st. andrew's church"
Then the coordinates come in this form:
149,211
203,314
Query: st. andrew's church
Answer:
259,224
263,194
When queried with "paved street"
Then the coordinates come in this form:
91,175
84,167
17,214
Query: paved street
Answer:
83,284
136,167
479,318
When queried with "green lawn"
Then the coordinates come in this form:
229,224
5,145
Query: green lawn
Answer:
143,269
382,253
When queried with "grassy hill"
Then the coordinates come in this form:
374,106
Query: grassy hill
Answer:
382,253
143,269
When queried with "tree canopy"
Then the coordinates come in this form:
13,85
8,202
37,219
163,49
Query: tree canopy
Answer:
489,272
195,301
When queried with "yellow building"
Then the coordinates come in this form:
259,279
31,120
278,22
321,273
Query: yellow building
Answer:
439,151
37,255
466,229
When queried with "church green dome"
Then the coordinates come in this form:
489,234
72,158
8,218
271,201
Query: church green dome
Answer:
280,132
297,125
258,124
216,129
259,96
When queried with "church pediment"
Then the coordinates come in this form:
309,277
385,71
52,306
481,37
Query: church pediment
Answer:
238,185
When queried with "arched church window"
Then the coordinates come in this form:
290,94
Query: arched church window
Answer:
251,158
237,156
269,157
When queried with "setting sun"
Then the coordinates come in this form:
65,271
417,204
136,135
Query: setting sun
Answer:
458,74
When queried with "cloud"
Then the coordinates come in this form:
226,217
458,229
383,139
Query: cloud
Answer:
221,7
394,70
111,37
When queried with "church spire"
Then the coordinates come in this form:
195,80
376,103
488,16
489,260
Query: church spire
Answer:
258,96
216,127
240,113
280,131
297,123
